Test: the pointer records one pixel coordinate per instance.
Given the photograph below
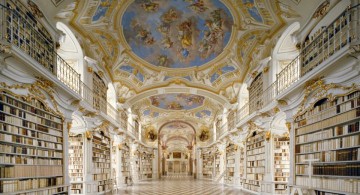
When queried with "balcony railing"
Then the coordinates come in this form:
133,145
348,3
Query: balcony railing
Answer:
24,32
340,33
331,39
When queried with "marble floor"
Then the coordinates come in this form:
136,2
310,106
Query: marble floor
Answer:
179,185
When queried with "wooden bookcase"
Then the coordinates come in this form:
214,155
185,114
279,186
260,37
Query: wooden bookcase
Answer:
255,93
28,34
208,165
255,161
31,147
241,165
76,164
100,93
329,132
146,166
281,164
101,162
230,164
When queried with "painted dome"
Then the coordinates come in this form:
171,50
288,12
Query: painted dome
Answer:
178,33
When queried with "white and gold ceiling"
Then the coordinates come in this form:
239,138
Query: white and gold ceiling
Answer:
178,60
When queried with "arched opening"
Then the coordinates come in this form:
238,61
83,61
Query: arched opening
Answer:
285,50
70,49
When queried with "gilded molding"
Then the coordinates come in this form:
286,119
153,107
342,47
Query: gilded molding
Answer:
266,69
5,48
36,91
88,135
318,89
322,9
268,135
90,69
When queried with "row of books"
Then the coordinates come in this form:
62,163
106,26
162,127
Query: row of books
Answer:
333,144
25,160
260,156
255,163
29,117
341,170
260,170
29,184
329,133
254,177
250,146
343,185
10,149
255,151
19,171
324,134
76,188
103,176
29,125
35,107
30,141
101,170
326,123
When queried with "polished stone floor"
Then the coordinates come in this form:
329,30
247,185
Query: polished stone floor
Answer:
179,185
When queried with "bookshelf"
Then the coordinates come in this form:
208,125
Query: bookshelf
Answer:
230,164
208,165
100,93
31,147
255,93
76,163
24,31
101,162
281,164
125,163
217,163
146,166
241,164
135,167
329,131
255,161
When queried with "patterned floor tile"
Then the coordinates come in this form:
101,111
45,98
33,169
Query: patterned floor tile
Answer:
179,185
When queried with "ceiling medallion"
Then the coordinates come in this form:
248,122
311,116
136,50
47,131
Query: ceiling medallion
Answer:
177,34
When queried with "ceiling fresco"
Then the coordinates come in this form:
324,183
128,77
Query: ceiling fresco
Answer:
177,101
177,34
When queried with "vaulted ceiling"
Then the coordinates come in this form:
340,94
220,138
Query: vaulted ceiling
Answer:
181,59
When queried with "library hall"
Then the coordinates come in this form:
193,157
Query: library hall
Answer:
180,97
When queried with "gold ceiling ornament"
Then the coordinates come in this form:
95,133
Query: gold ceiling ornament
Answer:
5,48
120,147
268,135
69,124
288,125
322,9
104,127
254,74
282,103
204,133
150,133
101,74
266,69
90,69
121,100
276,110
91,114
88,135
